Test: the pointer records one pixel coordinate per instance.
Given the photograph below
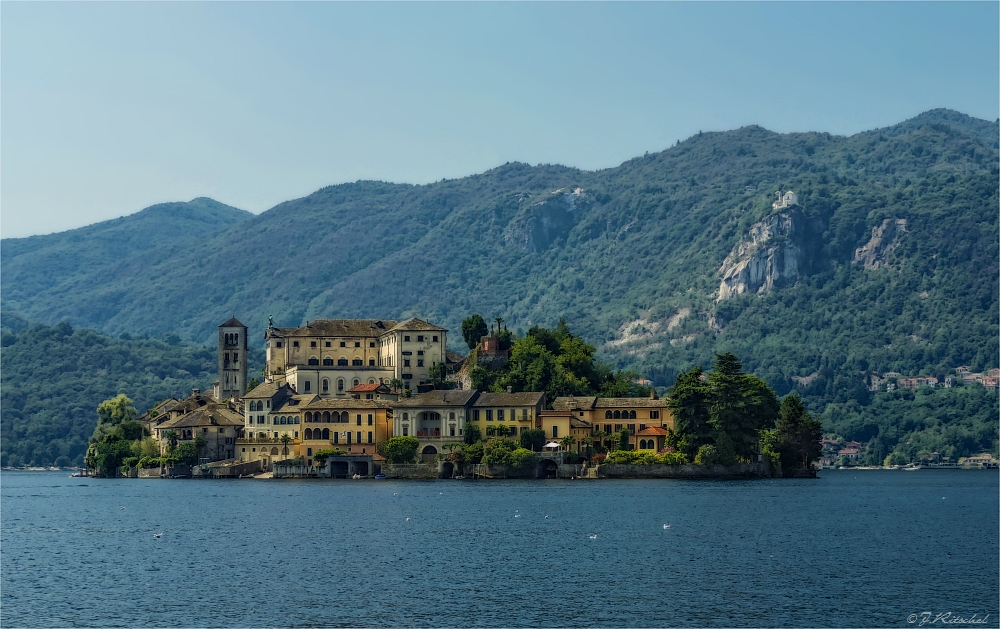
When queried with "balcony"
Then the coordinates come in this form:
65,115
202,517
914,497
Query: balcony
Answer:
429,433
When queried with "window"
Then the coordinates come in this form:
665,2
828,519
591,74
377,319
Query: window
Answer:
607,415
631,428
357,343
341,362
406,338
371,380
406,362
607,427
371,438
406,431
618,415
348,438
451,416
313,360
343,344
435,339
631,414
359,419
328,362
269,403
359,437
513,431
371,362
500,415
336,438
420,352
307,383
475,415
420,339
420,362
309,451
357,362
555,432
371,343
295,343
489,414
312,344
654,414
279,344
642,427
296,421
407,376
328,343
618,427
356,382
236,357
407,353
406,416
371,419
340,384
524,414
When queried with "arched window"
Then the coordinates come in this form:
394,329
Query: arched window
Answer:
406,416
313,360
371,380
607,415
617,415
340,384
283,419
274,450
326,433
642,444
631,414
326,385
326,416
342,362
356,382
451,416
309,417
297,419
328,362
236,339
357,362
309,434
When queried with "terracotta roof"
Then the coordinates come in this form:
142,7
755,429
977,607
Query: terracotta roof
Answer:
578,402
232,323
631,402
526,398
369,387
337,327
652,430
417,325
438,398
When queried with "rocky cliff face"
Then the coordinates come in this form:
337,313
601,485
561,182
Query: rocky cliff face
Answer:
767,257
540,224
875,252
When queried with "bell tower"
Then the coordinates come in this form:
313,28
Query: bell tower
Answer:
232,360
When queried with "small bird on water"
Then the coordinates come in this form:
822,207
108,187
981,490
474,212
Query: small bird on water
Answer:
666,526
593,536
157,535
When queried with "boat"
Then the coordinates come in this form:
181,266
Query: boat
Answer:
380,476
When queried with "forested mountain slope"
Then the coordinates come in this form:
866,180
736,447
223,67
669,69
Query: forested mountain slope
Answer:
889,261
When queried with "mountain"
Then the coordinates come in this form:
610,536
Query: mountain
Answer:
887,262
42,273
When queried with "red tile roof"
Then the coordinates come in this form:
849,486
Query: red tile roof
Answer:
652,430
366,388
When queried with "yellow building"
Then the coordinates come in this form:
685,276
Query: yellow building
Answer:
612,415
506,414
328,357
354,426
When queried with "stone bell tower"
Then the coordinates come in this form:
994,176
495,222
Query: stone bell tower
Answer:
232,360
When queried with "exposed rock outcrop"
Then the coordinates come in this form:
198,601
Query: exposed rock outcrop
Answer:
767,257
875,252
540,224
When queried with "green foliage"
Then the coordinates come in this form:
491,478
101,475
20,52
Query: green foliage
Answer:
533,439
473,329
725,450
471,433
707,455
399,449
799,435
320,456
498,452
116,410
252,384
522,460
106,456
437,373
689,402
187,452
639,457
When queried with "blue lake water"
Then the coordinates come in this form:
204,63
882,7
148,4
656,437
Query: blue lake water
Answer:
850,549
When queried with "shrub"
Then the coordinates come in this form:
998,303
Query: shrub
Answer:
673,458
522,460
399,449
725,449
707,455
498,451
598,458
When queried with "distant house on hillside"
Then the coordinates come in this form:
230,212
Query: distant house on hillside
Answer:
785,200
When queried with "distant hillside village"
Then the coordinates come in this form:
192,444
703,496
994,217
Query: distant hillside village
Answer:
337,389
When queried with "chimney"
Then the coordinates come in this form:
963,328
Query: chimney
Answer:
510,389
652,394
195,391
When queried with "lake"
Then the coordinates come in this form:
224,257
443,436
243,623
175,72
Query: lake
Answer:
851,548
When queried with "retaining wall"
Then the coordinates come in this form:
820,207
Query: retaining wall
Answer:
416,470
738,470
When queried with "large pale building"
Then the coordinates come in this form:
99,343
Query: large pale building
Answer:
329,357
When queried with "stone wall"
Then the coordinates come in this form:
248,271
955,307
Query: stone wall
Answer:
738,470
417,470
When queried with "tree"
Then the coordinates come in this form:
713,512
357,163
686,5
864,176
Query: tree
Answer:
471,433
399,449
252,384
106,456
623,439
724,448
320,456
473,329
740,404
396,385
498,451
799,435
567,442
533,439
285,439
690,403
116,410
437,373
171,440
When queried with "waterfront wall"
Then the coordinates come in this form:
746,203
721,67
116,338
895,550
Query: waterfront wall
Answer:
416,470
738,470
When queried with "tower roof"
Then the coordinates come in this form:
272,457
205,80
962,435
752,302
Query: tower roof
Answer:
232,323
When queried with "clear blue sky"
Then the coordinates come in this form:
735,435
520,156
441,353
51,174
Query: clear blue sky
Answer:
108,108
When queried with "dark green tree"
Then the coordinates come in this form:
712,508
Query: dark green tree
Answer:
471,434
474,328
399,449
533,439
799,435
690,402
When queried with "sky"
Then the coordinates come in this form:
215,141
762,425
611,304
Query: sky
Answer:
107,108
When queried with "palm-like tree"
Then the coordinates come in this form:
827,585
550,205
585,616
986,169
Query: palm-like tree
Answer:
285,440
568,442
